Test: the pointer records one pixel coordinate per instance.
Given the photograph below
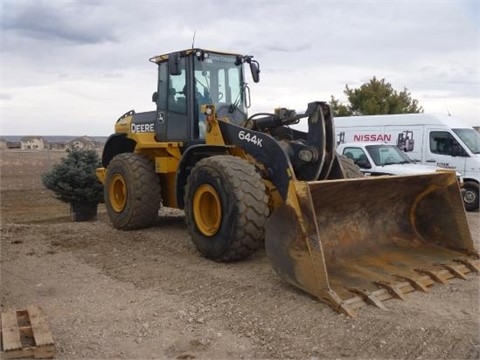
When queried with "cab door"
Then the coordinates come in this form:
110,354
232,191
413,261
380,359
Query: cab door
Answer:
444,150
172,122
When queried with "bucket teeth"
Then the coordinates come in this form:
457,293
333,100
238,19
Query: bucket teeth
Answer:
455,272
435,276
396,289
405,284
415,283
393,289
469,264
369,298
339,305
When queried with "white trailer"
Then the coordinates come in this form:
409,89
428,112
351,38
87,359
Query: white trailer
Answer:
430,139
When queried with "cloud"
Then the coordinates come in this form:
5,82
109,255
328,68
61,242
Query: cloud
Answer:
93,55
6,96
69,22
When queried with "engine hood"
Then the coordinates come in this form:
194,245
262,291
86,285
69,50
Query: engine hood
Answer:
405,169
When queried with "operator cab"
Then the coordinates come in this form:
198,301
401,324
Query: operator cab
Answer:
191,78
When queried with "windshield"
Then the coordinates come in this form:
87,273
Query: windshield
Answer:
219,81
387,155
470,138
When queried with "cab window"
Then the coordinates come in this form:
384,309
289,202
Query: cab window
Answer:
219,82
443,143
470,138
358,156
177,91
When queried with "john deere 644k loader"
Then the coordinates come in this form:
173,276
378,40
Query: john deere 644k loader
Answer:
247,182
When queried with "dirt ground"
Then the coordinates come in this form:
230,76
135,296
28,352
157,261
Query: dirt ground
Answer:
149,294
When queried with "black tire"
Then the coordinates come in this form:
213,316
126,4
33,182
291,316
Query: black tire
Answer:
226,208
132,192
470,195
350,169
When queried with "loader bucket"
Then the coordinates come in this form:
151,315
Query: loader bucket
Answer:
362,241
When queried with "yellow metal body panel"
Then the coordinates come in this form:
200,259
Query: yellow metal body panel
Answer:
144,140
167,182
164,165
122,126
167,158
213,135
101,173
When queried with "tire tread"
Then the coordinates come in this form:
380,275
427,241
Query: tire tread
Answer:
252,203
146,192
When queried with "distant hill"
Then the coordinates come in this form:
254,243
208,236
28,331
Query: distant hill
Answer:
53,138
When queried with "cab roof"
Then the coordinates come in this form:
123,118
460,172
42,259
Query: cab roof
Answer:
163,58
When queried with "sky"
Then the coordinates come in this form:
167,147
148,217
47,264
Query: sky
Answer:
73,67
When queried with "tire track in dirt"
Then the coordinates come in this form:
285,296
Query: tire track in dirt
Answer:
248,299
115,282
217,293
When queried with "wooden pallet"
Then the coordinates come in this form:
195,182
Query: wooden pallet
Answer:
25,334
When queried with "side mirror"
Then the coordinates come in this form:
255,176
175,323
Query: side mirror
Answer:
255,70
155,97
363,164
174,64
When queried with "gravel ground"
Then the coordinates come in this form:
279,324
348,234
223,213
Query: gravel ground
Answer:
149,294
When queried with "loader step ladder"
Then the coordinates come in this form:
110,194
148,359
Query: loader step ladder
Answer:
25,334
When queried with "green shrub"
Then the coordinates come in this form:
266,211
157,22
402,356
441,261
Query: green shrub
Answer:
73,179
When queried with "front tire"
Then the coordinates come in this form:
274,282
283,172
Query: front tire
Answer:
350,169
226,208
132,192
470,195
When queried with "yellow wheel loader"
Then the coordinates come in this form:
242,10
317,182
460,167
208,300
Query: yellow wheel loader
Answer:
246,182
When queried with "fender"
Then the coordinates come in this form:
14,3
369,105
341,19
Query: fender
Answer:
116,144
189,158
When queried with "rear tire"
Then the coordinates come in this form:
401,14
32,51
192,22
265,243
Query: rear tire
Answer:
350,170
132,192
226,208
470,195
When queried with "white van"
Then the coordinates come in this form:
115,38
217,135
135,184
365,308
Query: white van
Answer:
429,139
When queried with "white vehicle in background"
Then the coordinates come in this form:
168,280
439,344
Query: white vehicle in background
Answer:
382,159
377,159
429,139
